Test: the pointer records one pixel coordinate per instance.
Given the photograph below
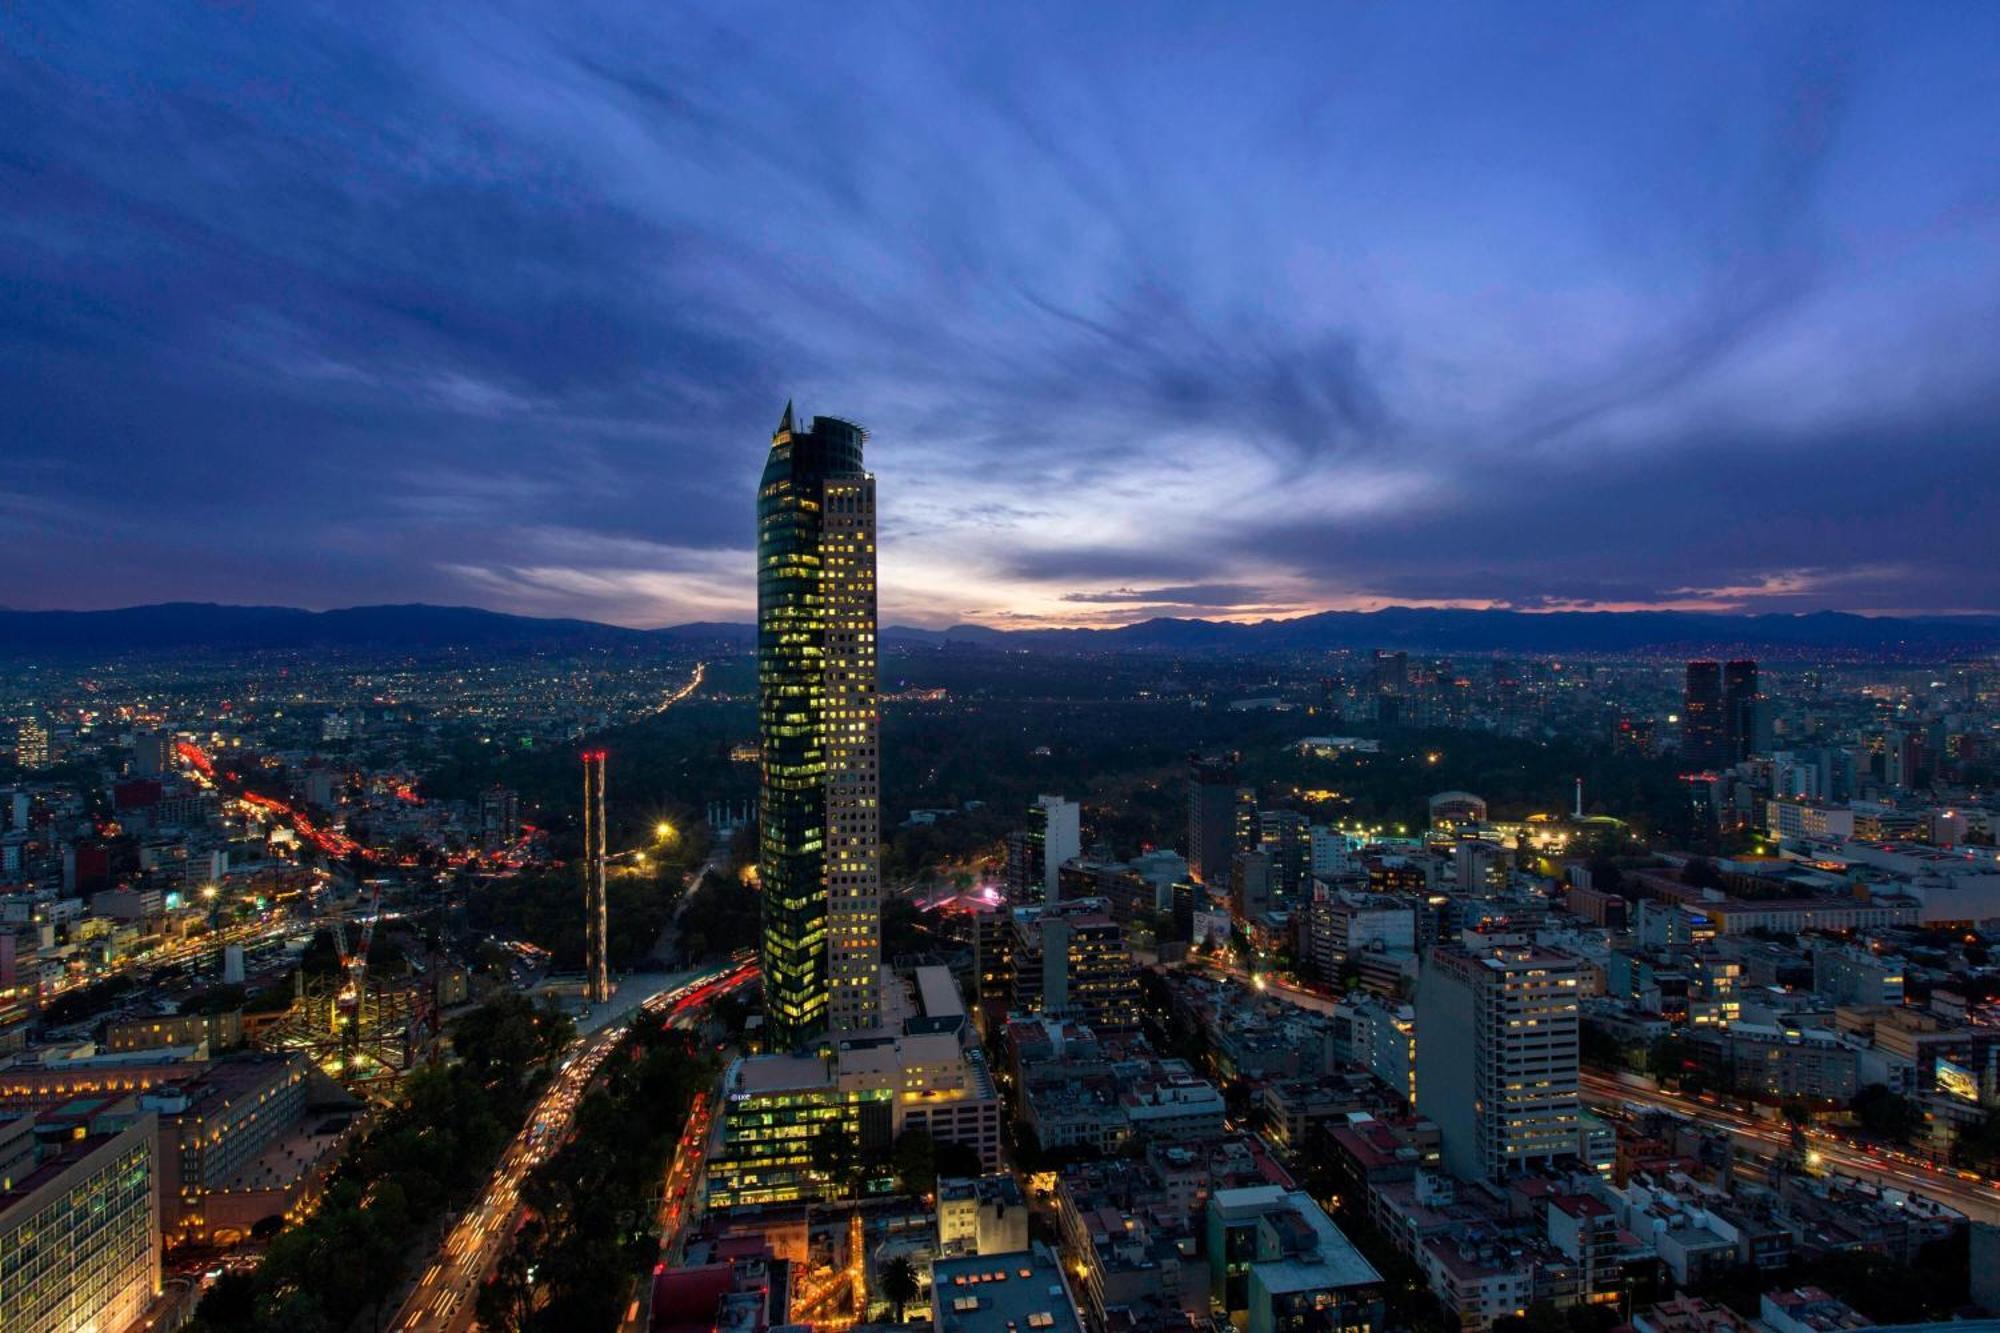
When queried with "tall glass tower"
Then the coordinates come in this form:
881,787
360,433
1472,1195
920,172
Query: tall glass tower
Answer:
819,843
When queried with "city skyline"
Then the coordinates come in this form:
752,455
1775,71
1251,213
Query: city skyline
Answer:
1643,308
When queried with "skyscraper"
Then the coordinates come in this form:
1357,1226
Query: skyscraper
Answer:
1739,709
1702,740
1221,818
819,842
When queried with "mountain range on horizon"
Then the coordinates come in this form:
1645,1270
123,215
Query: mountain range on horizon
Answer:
188,626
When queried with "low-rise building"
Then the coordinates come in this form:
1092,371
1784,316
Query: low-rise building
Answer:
1023,1292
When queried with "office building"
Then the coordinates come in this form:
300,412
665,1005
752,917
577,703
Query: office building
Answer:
819,850
1855,974
1036,854
79,1226
1497,1032
1704,741
1285,839
868,1093
1220,818
499,818
1278,1262
1070,961
31,744
1740,710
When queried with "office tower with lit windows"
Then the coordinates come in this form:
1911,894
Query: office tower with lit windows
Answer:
31,743
1497,1032
1703,741
819,842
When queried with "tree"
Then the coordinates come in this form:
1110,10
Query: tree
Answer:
1885,1115
955,1160
915,1161
899,1282
834,1156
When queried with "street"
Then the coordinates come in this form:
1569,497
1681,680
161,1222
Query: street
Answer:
1975,1198
443,1298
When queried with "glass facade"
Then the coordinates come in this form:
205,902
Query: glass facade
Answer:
818,849
80,1251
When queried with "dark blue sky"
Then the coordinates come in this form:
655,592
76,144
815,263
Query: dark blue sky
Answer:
1225,310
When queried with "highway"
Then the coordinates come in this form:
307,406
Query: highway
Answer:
443,1298
1975,1198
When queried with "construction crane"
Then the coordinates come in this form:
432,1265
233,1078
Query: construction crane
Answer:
354,968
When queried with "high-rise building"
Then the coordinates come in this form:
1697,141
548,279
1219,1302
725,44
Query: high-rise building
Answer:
1285,837
1070,961
597,917
819,848
1035,855
1740,704
1497,1056
1062,840
499,817
31,743
1703,743
1221,817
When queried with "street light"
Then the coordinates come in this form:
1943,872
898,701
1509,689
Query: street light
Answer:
664,831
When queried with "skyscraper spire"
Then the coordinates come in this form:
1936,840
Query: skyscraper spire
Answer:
785,426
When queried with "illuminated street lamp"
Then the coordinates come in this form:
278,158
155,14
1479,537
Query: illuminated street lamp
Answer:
664,831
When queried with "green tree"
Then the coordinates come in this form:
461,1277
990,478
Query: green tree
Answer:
915,1162
835,1157
899,1283
1885,1115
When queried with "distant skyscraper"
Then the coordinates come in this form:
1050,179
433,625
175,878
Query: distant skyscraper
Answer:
1061,827
1740,702
819,844
1221,818
1285,838
596,910
31,744
1703,742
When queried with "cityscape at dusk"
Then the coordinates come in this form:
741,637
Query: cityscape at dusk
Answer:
1072,669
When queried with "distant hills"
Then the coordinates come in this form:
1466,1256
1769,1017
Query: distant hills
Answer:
189,626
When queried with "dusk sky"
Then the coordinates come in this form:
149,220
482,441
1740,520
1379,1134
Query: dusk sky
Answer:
1227,310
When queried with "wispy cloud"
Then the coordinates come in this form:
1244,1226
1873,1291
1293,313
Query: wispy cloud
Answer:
1169,316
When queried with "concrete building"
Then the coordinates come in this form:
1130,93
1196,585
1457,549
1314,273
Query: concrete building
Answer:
1275,1257
1220,818
1023,1292
79,1220
1497,1033
981,1215
1069,960
869,1092
1060,824
1852,974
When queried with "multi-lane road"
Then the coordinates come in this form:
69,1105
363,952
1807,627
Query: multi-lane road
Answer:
1976,1198
443,1298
